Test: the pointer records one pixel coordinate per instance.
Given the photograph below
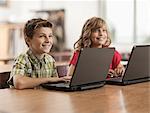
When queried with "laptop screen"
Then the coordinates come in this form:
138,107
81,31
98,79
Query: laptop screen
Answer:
92,66
139,63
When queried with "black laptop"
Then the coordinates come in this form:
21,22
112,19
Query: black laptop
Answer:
90,71
137,69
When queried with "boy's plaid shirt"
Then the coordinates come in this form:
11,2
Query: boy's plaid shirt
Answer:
29,65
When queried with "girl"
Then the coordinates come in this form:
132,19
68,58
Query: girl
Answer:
35,66
95,34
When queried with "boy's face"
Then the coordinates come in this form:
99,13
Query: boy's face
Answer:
42,41
99,37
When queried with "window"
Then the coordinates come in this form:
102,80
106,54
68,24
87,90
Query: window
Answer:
129,20
3,3
143,21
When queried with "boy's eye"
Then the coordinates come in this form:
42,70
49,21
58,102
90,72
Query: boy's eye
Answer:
97,30
41,36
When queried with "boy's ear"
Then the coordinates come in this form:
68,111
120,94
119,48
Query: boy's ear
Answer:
27,40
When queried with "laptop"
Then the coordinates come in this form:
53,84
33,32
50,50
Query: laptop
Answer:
90,71
137,69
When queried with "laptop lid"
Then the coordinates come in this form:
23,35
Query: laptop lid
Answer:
138,66
92,66
90,71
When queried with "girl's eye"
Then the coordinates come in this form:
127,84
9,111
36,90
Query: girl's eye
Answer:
50,35
96,30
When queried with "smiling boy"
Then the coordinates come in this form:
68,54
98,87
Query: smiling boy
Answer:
35,66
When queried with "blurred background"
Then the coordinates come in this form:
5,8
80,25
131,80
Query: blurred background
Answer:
128,22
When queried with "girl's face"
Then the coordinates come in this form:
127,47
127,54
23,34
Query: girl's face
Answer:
99,37
41,41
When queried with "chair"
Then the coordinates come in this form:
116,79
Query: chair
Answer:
62,70
3,80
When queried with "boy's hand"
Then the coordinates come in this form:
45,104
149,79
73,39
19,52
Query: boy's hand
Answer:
66,78
55,79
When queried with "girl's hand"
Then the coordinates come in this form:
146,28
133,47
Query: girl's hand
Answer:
119,71
111,73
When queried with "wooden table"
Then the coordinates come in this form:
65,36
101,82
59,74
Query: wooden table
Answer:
108,99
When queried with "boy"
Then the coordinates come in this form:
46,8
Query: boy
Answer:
35,66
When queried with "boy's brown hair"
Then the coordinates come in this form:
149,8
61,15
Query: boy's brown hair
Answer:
34,24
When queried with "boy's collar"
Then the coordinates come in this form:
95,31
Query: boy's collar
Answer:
34,58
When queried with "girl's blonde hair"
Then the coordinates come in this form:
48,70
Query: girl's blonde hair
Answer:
93,23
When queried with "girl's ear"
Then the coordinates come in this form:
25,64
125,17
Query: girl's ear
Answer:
87,43
108,42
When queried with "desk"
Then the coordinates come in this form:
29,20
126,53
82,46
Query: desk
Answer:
108,99
5,68
61,56
6,59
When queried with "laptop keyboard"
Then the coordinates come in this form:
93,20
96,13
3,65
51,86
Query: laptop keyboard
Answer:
59,84
65,84
115,78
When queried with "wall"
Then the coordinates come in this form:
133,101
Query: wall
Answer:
77,12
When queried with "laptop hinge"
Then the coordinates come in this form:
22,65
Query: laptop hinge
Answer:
88,86
126,82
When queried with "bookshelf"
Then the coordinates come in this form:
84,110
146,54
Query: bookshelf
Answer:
57,17
11,40
12,44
